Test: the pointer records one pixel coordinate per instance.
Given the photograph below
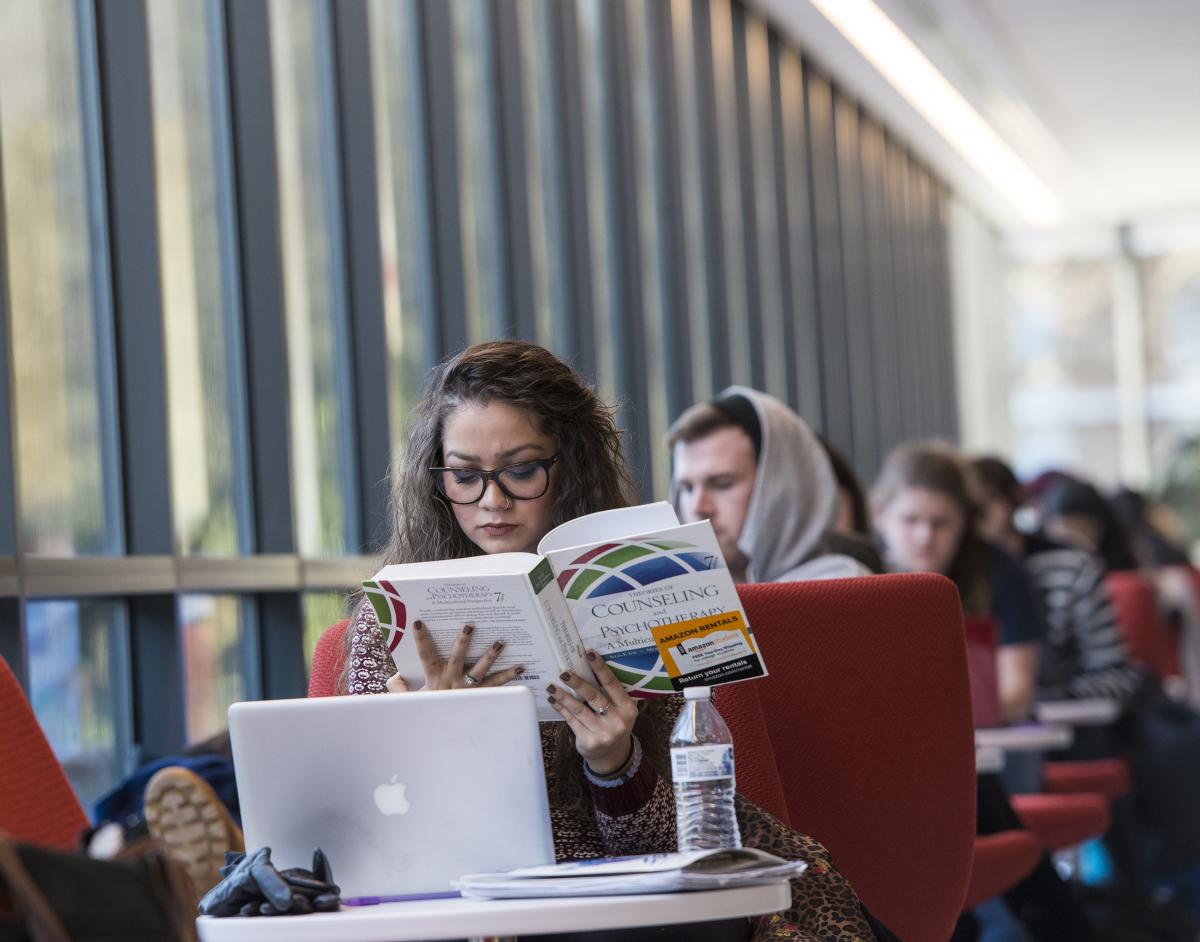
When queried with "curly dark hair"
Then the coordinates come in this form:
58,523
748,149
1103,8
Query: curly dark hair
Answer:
593,474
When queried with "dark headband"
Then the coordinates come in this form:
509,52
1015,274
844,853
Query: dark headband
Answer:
741,410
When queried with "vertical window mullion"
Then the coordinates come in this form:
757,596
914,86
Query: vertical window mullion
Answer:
515,167
12,610
364,269
281,664
744,239
827,252
437,49
124,82
567,65
679,345
859,336
798,268
763,173
711,212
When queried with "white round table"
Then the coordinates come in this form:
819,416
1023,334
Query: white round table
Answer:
469,918
1092,711
1026,738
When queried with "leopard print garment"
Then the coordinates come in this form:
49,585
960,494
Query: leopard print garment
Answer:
638,817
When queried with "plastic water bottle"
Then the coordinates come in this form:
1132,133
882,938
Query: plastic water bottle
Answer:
702,767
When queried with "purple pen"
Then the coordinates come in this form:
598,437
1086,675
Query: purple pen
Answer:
399,898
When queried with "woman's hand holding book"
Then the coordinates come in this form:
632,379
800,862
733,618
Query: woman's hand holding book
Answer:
601,717
451,673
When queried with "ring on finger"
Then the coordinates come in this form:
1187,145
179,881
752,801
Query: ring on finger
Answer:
600,710
469,680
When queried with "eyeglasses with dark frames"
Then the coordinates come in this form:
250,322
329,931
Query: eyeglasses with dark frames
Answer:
524,480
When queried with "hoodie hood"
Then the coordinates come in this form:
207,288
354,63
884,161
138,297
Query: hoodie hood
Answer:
795,500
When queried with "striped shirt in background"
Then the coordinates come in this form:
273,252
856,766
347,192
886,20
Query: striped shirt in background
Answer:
1084,654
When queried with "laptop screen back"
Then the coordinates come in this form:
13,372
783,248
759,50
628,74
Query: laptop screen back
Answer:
403,792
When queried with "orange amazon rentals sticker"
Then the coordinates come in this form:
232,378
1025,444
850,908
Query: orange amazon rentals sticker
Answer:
703,644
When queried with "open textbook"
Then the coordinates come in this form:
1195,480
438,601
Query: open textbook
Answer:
652,873
651,595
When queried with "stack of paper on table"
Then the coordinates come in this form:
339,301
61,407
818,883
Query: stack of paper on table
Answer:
620,876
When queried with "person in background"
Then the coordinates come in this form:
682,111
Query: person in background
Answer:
1075,514
1083,654
1175,580
927,516
507,443
853,533
1151,546
757,472
188,801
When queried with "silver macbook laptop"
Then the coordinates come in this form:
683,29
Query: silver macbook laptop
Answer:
403,792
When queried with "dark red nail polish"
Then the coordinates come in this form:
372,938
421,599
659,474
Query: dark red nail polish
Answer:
519,669
550,699
418,625
564,676
591,655
467,629
551,688
498,645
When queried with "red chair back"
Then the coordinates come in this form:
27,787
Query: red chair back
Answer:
1144,629
756,770
37,803
329,660
981,635
868,709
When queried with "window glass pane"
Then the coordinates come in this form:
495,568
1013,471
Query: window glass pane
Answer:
479,163
63,406
310,228
199,279
78,678
1064,402
321,609
216,660
1171,294
543,151
403,203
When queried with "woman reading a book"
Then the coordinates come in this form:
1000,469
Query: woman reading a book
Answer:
507,443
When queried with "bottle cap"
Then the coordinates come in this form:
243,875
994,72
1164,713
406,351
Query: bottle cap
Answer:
697,693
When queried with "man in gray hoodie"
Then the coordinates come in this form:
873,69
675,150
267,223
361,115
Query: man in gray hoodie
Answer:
754,468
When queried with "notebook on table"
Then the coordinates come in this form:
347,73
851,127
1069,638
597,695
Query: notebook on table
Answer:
405,793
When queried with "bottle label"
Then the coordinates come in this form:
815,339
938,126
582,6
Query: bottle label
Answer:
701,763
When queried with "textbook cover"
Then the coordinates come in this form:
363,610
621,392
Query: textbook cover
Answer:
650,595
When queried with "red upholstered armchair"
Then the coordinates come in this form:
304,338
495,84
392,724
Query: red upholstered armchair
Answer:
329,659
757,771
37,803
868,712
1145,631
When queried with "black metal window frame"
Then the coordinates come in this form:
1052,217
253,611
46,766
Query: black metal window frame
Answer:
860,235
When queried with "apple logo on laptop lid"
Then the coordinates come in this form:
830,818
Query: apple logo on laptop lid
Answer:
390,798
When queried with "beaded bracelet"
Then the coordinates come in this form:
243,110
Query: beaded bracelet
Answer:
624,774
